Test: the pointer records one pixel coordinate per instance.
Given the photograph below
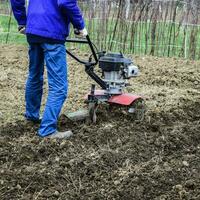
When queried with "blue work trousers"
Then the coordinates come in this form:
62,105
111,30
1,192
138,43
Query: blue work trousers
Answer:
54,55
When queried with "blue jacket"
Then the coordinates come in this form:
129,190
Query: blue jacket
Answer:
48,18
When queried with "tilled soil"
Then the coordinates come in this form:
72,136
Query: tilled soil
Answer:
157,159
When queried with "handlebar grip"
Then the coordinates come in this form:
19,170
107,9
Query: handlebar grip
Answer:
77,41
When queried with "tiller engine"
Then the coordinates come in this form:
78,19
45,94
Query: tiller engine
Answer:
116,70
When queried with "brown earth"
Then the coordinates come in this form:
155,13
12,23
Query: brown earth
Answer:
157,159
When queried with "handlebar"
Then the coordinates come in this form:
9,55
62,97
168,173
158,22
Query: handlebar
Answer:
83,41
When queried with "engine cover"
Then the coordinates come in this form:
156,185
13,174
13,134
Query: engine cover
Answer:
113,62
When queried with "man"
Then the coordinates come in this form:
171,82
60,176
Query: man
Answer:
46,25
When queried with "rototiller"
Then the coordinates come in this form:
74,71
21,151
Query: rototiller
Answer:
116,70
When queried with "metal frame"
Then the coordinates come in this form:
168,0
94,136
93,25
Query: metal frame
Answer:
89,66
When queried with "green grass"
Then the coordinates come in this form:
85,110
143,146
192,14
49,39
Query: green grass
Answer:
162,44
13,36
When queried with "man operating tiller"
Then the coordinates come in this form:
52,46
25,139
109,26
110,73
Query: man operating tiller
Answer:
46,25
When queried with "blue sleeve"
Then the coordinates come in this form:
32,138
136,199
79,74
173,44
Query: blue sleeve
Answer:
19,11
71,10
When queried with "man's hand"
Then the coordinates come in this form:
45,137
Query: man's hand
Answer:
81,33
22,29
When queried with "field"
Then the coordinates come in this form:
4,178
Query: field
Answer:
157,159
